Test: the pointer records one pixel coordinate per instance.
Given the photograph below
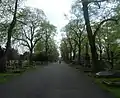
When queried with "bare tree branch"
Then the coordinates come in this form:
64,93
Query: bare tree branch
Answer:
25,34
69,40
82,38
75,41
81,31
23,41
101,23
21,22
26,45
96,1
36,41
83,28
74,31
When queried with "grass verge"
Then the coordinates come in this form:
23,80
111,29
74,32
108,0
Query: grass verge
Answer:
115,91
4,77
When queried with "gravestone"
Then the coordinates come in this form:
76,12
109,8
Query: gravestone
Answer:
115,83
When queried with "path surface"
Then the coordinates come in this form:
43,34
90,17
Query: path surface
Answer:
53,81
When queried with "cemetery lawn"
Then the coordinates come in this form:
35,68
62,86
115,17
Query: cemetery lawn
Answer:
113,90
4,77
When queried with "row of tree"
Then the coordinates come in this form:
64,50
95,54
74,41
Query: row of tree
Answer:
92,32
25,26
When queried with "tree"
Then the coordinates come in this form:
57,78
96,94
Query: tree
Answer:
9,32
7,11
49,31
75,31
30,31
90,33
108,40
65,49
52,52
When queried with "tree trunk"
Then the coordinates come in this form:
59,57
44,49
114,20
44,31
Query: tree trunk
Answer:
100,54
108,52
12,25
8,44
112,59
90,37
30,57
100,51
74,52
70,55
2,65
46,49
86,48
67,57
71,48
87,57
79,51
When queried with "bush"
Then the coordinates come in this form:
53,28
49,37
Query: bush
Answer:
40,57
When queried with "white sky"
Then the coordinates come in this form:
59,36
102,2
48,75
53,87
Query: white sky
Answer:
54,10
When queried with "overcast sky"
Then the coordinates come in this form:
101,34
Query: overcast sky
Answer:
54,10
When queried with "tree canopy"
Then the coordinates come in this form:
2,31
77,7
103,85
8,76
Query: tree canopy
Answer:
95,22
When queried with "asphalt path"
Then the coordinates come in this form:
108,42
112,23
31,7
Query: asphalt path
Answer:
52,81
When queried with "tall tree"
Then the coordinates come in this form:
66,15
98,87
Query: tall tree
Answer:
30,31
64,48
91,34
49,32
9,32
75,30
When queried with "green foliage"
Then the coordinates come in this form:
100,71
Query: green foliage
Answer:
112,90
52,50
104,25
6,77
40,57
